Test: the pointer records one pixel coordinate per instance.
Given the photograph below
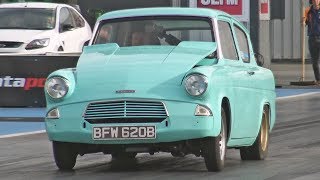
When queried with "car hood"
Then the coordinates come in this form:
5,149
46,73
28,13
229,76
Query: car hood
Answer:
23,35
112,68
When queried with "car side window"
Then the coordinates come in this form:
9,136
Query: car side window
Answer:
79,22
227,41
65,19
243,44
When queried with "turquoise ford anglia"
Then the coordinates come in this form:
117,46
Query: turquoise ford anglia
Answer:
177,80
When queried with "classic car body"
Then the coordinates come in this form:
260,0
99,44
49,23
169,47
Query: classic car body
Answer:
184,96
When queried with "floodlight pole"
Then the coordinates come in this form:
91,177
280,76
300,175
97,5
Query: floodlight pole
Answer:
255,24
303,42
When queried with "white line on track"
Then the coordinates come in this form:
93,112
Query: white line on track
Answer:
22,134
43,131
298,95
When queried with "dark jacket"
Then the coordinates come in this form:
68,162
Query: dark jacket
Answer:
313,21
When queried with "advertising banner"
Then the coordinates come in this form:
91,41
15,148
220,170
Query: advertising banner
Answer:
22,78
264,7
238,8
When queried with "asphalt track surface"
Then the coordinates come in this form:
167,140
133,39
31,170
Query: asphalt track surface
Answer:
294,153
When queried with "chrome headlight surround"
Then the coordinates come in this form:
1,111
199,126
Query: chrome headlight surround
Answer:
196,84
57,87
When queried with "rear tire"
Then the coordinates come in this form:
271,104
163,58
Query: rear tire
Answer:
123,156
64,155
259,149
214,148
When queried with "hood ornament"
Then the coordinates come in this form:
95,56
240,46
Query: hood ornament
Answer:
125,91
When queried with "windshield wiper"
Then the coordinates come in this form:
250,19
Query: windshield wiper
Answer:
10,27
42,28
24,28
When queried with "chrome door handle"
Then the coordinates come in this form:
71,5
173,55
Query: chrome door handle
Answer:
250,73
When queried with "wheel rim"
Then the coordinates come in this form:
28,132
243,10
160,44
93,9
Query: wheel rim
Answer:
222,143
264,132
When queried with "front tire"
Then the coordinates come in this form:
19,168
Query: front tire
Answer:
259,149
214,148
64,155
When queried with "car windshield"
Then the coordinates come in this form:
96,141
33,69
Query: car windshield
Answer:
27,18
154,31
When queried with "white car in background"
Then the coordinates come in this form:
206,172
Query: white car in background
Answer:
41,28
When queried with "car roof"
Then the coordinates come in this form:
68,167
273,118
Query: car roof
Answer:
167,11
30,5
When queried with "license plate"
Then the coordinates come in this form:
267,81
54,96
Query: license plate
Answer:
124,132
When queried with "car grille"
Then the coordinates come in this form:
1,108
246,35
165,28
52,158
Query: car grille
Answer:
126,111
9,44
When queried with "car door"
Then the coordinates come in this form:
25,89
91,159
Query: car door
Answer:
82,29
236,75
249,103
68,36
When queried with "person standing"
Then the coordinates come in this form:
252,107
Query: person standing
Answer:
312,20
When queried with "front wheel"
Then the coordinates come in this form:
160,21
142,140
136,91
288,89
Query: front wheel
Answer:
214,148
259,149
64,155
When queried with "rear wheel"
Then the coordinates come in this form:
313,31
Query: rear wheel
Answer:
214,148
124,160
259,149
123,156
64,155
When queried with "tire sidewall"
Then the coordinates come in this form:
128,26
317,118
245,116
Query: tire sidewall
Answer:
64,155
264,153
224,132
212,154
255,151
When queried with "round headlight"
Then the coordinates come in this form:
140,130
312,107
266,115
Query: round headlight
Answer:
196,84
57,87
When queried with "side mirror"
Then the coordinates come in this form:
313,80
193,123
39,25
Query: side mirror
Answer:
67,27
85,44
259,59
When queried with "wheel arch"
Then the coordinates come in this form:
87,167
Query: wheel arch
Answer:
267,105
225,103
